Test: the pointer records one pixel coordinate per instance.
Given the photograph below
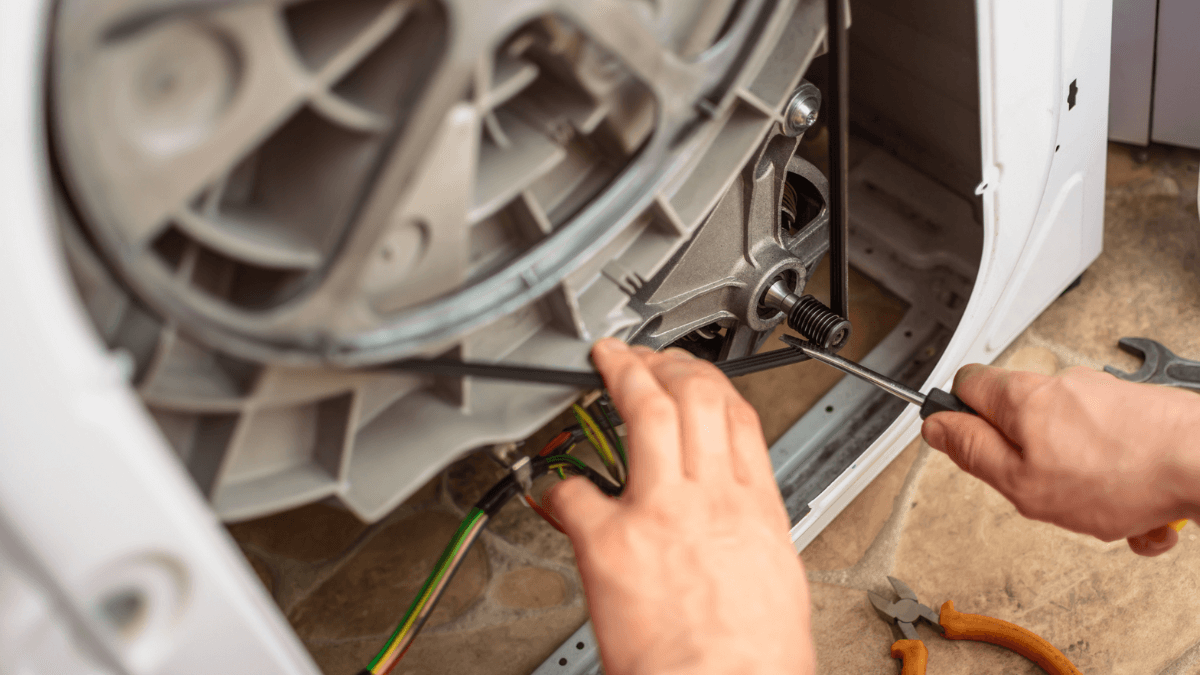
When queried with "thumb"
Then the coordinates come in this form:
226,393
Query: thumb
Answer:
1155,542
578,505
1000,396
975,446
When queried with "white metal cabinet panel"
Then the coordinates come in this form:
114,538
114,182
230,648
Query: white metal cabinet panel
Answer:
1043,188
1176,117
1132,67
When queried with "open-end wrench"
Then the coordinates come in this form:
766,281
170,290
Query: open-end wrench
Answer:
1160,365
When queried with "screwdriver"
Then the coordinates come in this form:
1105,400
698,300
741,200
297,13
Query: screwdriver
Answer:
935,401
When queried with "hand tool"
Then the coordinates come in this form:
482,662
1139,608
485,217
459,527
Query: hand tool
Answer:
587,379
1159,366
935,401
906,612
799,350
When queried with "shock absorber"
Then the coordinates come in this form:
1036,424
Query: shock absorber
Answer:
808,316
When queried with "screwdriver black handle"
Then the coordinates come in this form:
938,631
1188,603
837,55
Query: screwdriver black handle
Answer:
937,401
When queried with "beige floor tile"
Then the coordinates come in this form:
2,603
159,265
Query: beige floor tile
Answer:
1034,360
848,635
1106,608
531,588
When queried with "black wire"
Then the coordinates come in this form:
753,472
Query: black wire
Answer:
610,411
606,486
494,499
576,436
610,432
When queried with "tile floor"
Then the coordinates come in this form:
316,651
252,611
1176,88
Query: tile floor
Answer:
343,584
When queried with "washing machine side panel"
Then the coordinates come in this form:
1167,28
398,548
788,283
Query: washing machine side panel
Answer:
1034,199
93,505
1066,234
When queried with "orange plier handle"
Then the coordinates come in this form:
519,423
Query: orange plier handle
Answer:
959,626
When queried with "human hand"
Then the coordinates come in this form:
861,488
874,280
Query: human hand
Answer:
1082,449
692,569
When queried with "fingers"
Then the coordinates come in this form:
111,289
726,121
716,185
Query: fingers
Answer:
751,461
579,506
701,393
649,414
976,447
713,431
1155,542
997,394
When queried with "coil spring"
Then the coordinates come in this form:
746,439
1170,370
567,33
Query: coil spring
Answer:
816,322
790,208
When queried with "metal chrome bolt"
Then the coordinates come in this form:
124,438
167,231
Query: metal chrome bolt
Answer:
780,297
808,316
802,108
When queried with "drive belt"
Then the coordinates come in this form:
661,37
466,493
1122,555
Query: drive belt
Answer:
583,379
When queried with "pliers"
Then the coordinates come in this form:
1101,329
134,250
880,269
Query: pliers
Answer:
906,612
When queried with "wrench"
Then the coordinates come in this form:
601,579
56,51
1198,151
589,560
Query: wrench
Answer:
1161,365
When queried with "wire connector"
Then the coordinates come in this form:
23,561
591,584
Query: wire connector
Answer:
522,470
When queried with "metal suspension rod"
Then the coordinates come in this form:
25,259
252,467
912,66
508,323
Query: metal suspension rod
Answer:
839,156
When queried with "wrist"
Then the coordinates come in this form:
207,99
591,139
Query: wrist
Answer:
1184,467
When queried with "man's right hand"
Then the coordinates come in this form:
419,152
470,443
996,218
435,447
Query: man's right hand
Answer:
1082,449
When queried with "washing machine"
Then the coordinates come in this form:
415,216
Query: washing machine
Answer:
225,222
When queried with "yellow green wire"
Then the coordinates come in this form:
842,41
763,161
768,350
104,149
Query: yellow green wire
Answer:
414,610
594,435
391,652
617,439
562,475
566,460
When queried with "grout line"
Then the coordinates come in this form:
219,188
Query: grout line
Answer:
1067,357
313,575
503,557
880,557
1185,664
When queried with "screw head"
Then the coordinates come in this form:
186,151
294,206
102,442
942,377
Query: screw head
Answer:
802,109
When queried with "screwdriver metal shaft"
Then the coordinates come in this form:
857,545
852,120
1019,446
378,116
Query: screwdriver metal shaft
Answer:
936,401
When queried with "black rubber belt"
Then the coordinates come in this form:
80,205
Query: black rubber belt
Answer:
838,107
583,379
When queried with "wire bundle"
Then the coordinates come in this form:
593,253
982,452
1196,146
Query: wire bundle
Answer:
456,551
